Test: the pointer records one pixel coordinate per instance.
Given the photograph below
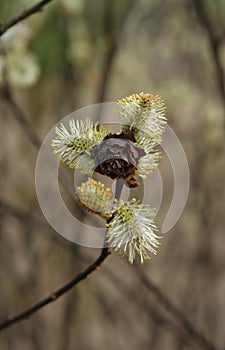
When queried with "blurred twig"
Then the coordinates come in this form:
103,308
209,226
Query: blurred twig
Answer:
113,37
21,215
142,302
55,295
181,319
215,42
25,14
33,137
20,116
29,219
112,46
181,328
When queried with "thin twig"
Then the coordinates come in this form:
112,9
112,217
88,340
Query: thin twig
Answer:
168,305
25,14
55,295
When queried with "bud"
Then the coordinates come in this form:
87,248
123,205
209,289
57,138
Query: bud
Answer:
95,197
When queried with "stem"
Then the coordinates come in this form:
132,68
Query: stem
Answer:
58,293
26,13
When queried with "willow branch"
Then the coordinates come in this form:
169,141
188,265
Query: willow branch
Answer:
25,14
178,316
58,293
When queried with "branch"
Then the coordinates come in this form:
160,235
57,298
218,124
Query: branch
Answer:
181,319
25,14
55,295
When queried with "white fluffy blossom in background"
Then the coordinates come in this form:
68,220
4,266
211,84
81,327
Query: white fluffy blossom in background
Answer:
18,67
16,37
80,51
72,6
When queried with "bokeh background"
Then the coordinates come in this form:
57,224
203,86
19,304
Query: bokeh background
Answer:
79,52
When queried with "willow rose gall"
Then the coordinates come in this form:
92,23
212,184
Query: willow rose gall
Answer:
89,147
133,151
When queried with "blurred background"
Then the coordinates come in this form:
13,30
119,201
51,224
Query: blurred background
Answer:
79,52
